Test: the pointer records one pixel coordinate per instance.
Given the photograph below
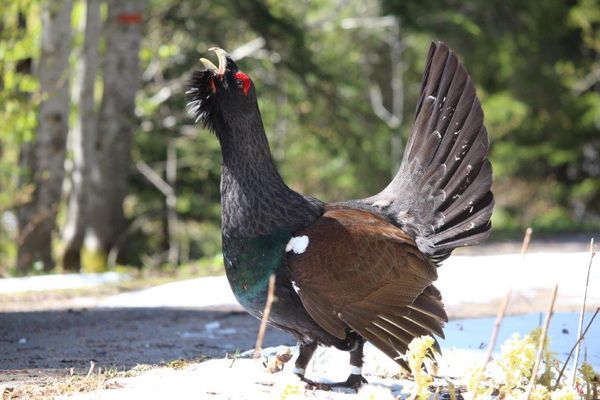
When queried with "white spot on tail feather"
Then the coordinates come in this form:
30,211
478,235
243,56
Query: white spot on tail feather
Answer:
382,203
297,244
296,288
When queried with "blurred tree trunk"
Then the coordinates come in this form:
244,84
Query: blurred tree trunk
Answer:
116,125
171,203
1,89
43,158
82,140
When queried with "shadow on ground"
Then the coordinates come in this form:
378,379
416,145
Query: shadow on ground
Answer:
123,337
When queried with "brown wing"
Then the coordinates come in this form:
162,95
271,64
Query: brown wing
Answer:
362,272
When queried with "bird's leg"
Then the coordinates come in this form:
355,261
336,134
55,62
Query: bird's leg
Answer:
306,351
355,379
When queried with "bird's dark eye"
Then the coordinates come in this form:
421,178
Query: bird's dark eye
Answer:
244,82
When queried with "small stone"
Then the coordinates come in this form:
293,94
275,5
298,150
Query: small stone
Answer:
211,326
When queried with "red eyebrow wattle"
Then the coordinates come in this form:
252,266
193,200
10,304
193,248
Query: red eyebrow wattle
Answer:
245,82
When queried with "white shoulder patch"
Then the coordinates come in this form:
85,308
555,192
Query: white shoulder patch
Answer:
297,244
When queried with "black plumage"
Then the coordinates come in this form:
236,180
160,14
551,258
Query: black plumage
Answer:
360,269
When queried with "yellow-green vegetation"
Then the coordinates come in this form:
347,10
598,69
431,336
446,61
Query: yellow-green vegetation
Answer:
473,382
518,357
592,378
516,362
507,378
291,391
418,349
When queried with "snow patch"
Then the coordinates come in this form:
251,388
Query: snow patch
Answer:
481,279
58,282
213,379
212,291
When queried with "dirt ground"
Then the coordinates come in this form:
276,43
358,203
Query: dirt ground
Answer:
61,335
40,344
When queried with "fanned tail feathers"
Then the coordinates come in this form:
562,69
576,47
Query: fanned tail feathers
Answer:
441,194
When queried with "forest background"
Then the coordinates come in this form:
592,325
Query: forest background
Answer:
100,164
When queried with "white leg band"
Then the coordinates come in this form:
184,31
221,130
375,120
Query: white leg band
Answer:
299,371
356,370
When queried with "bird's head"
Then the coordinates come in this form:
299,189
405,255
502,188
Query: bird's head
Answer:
222,93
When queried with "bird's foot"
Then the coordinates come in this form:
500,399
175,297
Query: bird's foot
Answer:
312,384
309,382
354,381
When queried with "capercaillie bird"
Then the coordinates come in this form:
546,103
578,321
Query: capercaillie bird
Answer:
357,270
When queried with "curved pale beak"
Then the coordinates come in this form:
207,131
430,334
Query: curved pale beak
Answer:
208,64
222,56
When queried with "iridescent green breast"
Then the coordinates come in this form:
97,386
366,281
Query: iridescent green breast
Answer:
249,262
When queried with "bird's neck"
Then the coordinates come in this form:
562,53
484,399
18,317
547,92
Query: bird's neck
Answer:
255,201
246,154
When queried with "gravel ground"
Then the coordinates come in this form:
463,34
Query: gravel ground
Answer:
35,345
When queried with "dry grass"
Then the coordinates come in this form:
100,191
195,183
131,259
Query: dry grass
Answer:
61,386
182,363
95,380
